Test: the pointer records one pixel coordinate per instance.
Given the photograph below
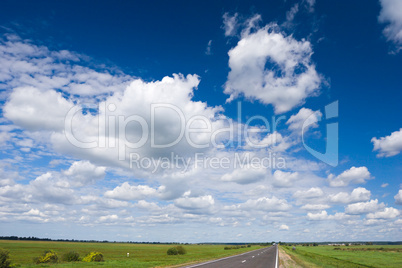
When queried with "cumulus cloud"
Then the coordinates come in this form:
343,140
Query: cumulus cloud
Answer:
83,173
266,204
34,109
391,14
364,207
247,174
359,194
354,175
131,192
306,117
195,203
315,207
387,213
398,197
284,179
284,227
313,192
323,215
388,146
268,66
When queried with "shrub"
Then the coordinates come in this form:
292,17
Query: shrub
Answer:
71,256
181,250
4,256
93,257
172,251
48,256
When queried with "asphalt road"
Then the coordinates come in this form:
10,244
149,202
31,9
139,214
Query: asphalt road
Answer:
260,258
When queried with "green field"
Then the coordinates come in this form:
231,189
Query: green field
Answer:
115,254
346,256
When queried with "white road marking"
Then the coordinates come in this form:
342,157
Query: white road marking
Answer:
244,261
253,256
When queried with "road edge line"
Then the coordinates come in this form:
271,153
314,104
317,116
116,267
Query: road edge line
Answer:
277,256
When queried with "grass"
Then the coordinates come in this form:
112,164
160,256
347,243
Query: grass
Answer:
352,256
115,254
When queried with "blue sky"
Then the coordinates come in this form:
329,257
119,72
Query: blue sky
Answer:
201,67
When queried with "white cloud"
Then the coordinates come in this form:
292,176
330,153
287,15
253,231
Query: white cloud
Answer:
290,15
275,142
315,207
305,116
108,218
284,227
284,179
266,204
83,173
23,64
323,215
384,185
313,192
131,192
149,206
230,24
191,203
34,109
364,207
354,175
398,197
310,4
391,14
387,213
389,145
247,174
359,194
49,188
208,49
288,80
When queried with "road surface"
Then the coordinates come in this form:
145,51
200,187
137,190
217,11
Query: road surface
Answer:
260,258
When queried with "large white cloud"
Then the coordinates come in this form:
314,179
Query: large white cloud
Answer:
391,14
313,192
83,173
273,68
364,207
266,204
323,215
284,179
354,175
247,174
388,146
195,203
131,192
34,109
387,213
359,194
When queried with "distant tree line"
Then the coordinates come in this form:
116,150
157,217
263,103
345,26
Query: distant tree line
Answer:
311,244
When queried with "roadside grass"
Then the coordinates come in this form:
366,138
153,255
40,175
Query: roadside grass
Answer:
352,256
115,254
